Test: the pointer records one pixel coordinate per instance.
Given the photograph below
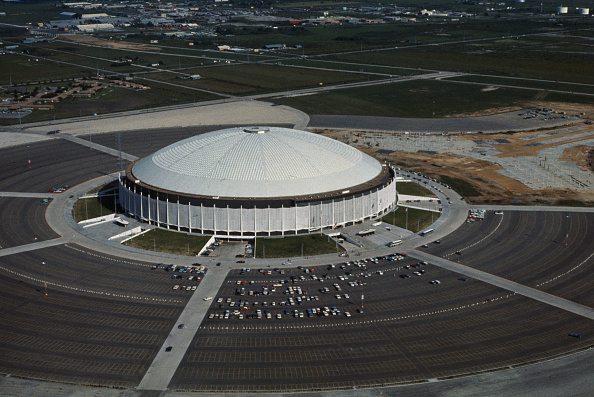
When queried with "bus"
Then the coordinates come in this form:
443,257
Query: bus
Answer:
394,243
426,232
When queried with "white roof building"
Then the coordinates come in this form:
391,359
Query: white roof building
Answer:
257,181
255,163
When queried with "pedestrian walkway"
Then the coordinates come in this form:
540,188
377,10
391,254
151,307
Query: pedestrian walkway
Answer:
508,285
33,246
27,195
101,148
166,362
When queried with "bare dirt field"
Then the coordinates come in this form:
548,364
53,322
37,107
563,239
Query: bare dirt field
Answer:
79,38
493,187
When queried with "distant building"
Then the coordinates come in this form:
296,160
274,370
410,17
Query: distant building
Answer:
91,27
275,46
70,15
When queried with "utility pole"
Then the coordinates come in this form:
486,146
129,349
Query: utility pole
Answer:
44,279
406,211
119,146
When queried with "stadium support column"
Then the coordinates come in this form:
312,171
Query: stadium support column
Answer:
269,220
214,218
148,200
141,206
344,210
178,225
308,216
190,216
255,222
282,220
167,210
158,212
295,217
241,220
228,225
201,218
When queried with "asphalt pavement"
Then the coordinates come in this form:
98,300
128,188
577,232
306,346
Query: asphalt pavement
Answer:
494,123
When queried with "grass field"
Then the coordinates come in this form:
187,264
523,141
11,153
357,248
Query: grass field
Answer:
504,47
409,99
289,247
169,242
536,58
413,189
465,188
542,85
97,206
112,99
258,78
20,69
414,220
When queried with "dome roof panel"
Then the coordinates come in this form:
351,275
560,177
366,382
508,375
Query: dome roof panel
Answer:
239,162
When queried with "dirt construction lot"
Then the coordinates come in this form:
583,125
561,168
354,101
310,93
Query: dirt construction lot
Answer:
491,187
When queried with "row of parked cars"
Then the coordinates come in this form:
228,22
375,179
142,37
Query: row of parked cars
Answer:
267,314
210,249
194,272
475,215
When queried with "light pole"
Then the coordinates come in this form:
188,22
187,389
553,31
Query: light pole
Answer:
29,156
406,225
154,244
301,249
44,279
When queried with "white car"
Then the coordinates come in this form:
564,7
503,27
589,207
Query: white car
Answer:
208,298
176,287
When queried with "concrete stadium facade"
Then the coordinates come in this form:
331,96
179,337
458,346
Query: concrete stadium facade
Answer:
254,181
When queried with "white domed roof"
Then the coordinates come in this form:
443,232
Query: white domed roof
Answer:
256,163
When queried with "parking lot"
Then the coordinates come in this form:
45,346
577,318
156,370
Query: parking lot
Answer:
550,251
22,221
279,327
407,330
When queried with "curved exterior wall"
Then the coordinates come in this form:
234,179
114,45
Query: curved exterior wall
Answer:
265,217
